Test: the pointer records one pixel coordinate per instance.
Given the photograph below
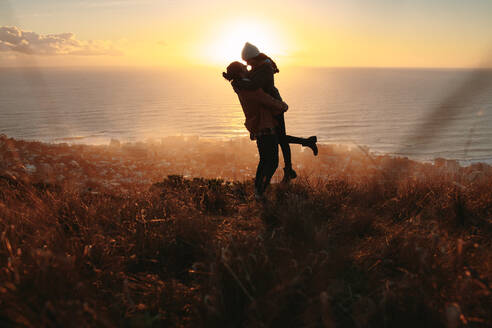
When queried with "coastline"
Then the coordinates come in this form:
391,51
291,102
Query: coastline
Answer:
382,109
124,165
121,234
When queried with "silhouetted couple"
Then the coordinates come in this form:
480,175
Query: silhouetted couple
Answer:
264,111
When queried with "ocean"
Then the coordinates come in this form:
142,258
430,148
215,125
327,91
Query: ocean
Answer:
422,114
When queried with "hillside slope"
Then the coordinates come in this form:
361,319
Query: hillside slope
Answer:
387,242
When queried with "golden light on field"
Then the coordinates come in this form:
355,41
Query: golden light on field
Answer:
226,40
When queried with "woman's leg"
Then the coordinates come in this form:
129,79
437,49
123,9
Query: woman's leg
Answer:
289,173
285,140
295,140
284,143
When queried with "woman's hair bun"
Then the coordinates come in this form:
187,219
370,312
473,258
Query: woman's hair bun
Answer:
226,76
233,71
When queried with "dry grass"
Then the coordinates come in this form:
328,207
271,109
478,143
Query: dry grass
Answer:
391,249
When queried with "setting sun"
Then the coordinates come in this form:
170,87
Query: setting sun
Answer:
228,39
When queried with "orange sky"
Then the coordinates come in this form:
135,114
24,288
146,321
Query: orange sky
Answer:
196,33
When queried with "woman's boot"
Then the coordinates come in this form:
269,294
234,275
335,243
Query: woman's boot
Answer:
311,143
289,174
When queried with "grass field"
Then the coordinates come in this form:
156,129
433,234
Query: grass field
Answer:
356,241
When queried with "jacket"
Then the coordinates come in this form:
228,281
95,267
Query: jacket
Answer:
259,109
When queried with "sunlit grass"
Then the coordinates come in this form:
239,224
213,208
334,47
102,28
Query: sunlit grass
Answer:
367,244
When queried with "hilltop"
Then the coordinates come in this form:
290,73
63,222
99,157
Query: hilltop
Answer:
167,234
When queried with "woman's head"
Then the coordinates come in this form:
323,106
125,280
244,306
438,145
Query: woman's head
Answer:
235,71
260,59
255,58
249,51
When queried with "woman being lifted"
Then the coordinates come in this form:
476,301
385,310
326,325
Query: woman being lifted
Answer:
261,76
260,110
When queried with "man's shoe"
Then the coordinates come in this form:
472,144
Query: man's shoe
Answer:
259,196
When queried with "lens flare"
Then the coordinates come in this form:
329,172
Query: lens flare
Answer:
227,46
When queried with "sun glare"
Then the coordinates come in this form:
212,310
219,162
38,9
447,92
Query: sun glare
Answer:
230,38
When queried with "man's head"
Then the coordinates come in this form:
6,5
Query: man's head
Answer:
235,71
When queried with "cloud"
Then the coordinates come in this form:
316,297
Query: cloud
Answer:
15,40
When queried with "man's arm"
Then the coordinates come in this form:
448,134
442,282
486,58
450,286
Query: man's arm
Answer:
277,107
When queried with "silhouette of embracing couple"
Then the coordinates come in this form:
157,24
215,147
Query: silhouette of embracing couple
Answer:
264,112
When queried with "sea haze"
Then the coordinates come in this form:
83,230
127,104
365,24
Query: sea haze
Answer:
383,109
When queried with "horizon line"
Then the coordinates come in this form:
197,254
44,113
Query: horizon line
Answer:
189,67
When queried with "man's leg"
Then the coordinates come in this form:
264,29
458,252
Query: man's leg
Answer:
271,150
260,178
